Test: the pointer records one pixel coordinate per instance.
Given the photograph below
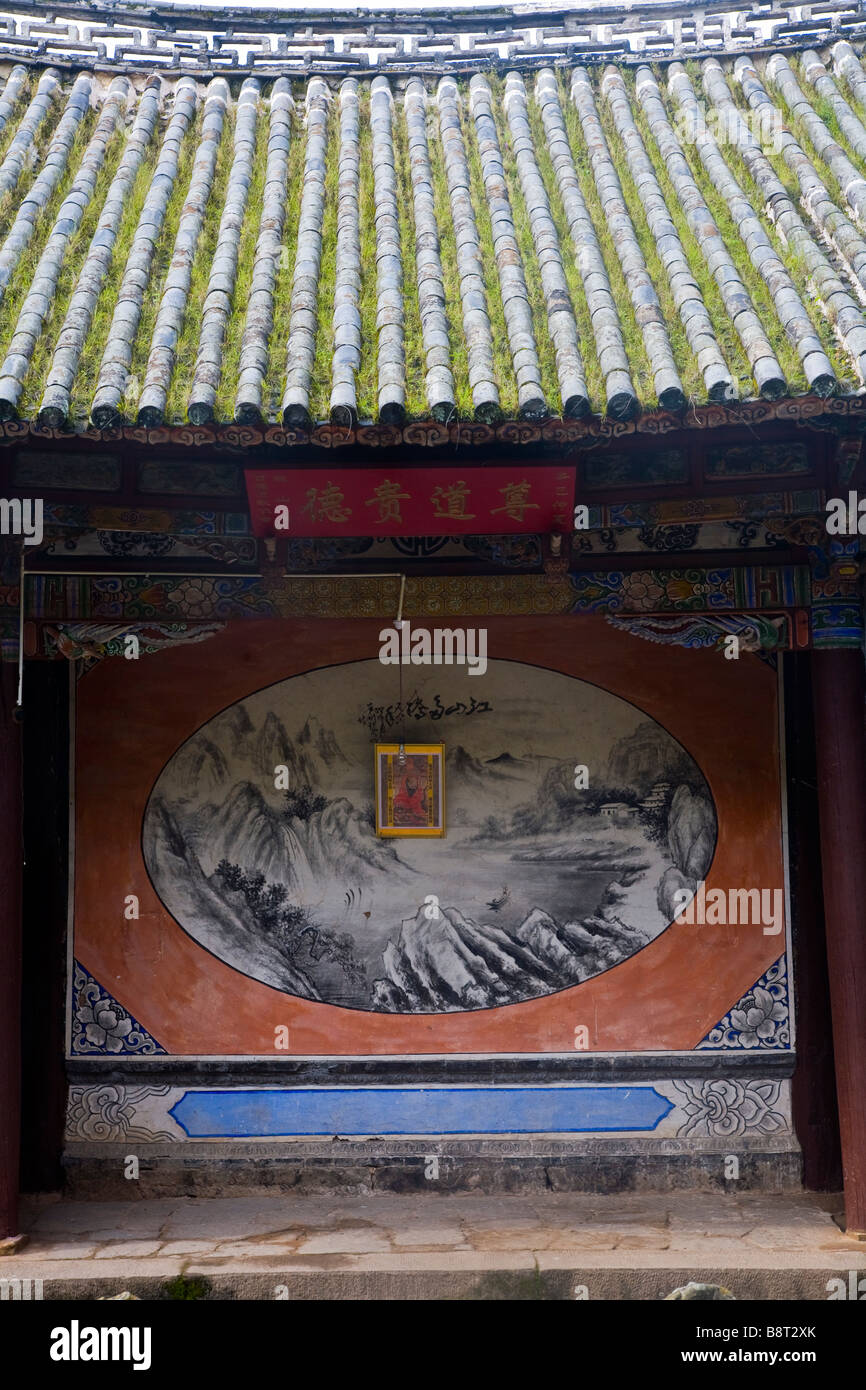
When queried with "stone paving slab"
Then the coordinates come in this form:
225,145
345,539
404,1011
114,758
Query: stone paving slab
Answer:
764,1242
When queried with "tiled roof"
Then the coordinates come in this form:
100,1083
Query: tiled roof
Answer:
573,239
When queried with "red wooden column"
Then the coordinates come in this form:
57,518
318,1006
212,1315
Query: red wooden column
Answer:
839,686
10,952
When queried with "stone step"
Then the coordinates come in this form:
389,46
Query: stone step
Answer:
572,1246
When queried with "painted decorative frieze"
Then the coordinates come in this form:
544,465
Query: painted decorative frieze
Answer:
719,1113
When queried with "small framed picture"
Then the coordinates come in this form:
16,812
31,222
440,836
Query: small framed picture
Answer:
410,789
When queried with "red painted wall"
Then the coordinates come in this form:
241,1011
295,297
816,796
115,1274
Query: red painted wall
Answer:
132,716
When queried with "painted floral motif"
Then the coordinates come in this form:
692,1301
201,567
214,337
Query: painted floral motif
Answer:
642,590
109,1112
692,590
101,1025
196,597
757,1023
758,1020
727,1109
104,1027
143,597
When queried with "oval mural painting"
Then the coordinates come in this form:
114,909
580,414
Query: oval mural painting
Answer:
545,876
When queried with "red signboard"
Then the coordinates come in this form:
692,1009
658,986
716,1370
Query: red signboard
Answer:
438,501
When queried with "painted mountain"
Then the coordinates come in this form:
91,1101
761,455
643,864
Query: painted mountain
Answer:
259,837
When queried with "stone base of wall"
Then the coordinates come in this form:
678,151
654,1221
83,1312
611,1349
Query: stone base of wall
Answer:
96,1171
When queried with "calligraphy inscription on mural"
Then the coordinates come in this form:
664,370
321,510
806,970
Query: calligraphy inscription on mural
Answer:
380,718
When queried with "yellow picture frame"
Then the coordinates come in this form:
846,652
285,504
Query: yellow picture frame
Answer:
410,795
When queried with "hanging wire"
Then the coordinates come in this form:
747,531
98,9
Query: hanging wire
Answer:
401,752
20,698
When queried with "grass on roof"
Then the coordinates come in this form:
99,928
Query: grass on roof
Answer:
162,253
760,295
367,376
275,375
726,334
87,375
34,155
450,274
792,185
224,405
531,269
416,361
823,107
16,115
73,261
186,350
591,368
796,267
22,276
686,362
775,157
320,384
850,95
502,365
640,371
795,124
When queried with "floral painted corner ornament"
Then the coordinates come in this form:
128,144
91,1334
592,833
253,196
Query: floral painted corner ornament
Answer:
102,1026
760,1020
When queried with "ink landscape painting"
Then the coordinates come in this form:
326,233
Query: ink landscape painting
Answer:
573,819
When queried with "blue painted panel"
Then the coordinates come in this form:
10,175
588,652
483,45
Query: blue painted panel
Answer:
271,1113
